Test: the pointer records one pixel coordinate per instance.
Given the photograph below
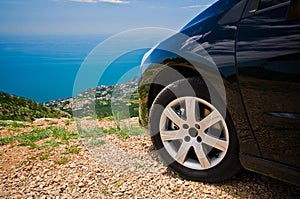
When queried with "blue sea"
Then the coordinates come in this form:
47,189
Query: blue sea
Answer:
44,68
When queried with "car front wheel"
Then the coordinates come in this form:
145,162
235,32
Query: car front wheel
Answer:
191,135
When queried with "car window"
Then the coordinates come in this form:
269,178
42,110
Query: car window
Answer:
268,3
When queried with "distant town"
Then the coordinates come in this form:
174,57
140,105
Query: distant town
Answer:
99,99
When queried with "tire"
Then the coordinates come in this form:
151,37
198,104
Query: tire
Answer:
191,135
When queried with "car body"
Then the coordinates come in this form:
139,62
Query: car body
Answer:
247,52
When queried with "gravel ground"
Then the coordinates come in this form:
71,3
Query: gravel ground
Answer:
117,169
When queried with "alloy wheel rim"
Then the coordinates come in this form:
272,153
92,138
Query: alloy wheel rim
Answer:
194,133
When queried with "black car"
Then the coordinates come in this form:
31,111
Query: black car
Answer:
224,92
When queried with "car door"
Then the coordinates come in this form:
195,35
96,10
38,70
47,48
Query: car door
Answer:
268,64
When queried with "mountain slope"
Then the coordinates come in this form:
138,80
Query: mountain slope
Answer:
19,108
102,101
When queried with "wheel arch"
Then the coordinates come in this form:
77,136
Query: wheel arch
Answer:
157,76
169,75
164,75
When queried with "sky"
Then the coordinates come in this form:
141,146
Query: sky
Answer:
82,17
45,41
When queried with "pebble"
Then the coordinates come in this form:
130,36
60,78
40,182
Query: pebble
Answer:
87,176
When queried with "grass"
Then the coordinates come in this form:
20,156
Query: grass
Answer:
6,140
62,160
72,149
95,132
67,122
71,185
43,156
56,135
17,124
123,133
138,165
104,191
50,143
29,139
119,184
4,124
12,124
95,143
63,134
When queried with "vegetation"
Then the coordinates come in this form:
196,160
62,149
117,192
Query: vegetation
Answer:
43,156
122,133
60,136
72,149
138,165
103,108
54,136
14,124
107,104
93,143
62,160
102,101
18,108
22,111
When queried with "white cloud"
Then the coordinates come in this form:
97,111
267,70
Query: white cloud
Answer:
156,7
105,1
196,6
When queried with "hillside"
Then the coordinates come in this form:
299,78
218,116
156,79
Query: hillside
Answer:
19,108
100,100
